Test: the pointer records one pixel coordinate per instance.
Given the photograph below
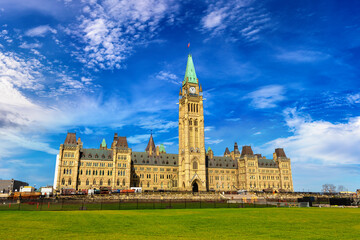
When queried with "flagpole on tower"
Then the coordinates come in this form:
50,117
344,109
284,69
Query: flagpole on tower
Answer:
188,46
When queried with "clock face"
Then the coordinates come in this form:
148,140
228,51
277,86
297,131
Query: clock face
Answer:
192,90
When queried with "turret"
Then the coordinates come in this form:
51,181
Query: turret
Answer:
227,152
151,149
210,153
103,144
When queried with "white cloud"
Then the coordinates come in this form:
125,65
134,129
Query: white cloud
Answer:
40,31
209,141
320,142
138,138
111,29
302,56
353,98
267,96
169,77
246,18
30,45
208,128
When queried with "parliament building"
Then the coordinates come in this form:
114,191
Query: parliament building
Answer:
192,169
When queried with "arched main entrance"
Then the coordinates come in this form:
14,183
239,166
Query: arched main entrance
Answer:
195,187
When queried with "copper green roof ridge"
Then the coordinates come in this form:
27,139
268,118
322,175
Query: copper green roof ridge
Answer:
190,74
103,143
162,148
209,149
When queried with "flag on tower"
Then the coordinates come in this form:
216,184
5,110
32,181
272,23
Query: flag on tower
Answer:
188,45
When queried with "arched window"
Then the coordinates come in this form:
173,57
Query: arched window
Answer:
109,182
63,181
123,182
148,184
96,172
195,122
79,182
81,172
70,171
64,171
108,173
69,181
124,173
195,165
197,107
87,182
65,155
188,107
67,171
94,182
101,182
118,182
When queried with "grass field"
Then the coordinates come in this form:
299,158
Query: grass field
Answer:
247,223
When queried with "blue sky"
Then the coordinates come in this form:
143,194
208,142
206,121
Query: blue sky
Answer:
274,74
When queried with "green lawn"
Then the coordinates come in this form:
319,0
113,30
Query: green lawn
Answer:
246,223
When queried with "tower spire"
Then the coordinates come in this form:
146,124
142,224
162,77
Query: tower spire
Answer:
190,74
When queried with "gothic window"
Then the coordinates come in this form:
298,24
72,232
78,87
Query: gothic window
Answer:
65,155
118,182
109,182
188,107
123,182
90,156
101,182
70,171
94,182
197,107
93,172
190,122
64,170
96,172
148,184
67,171
79,182
87,182
195,165
63,181
124,173
69,181
81,172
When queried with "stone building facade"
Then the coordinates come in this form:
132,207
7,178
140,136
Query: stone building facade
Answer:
191,169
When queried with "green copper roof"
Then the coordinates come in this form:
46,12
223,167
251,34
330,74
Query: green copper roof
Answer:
103,144
162,148
209,149
190,73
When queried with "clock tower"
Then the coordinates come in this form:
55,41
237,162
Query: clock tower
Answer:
192,169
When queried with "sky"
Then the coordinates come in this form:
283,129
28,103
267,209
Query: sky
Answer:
274,74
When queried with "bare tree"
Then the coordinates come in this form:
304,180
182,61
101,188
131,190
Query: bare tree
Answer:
328,188
341,188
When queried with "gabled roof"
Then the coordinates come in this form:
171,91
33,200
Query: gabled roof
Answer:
165,159
280,152
246,150
70,139
122,142
222,162
190,74
267,163
96,154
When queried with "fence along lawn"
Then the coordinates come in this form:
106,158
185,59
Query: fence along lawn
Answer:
243,223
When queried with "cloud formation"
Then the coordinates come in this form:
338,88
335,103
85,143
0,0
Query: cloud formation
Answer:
110,29
234,17
40,31
320,142
267,96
